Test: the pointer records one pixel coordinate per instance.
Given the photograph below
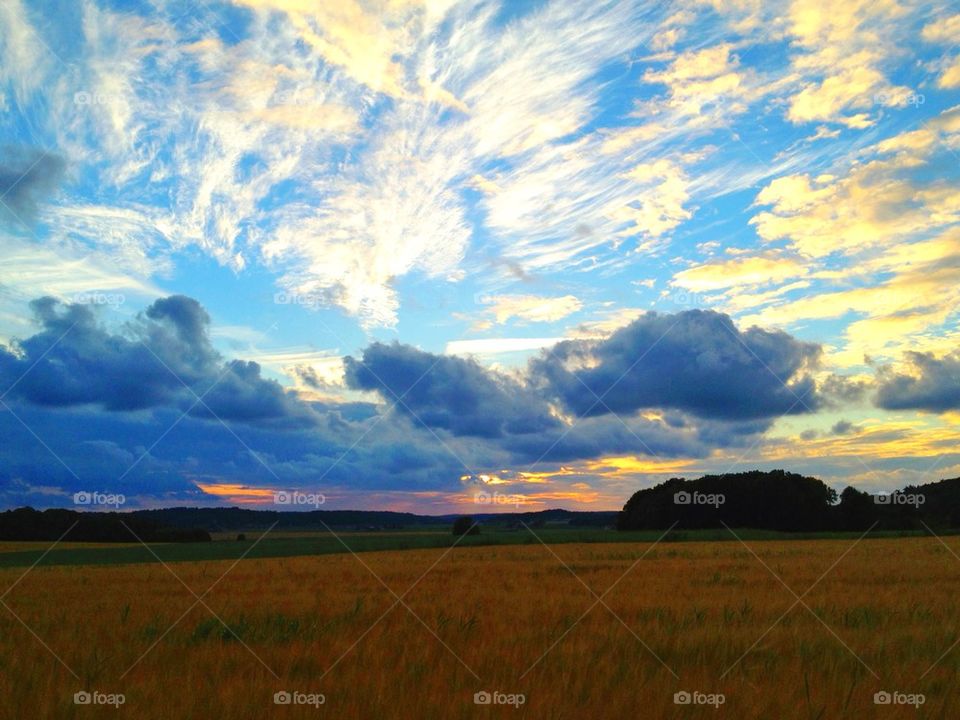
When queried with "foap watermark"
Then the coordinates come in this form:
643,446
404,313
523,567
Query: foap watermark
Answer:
295,697
307,300
906,98
298,499
685,697
496,697
698,498
95,697
99,298
900,498
684,298
300,96
498,498
85,497
84,98
896,697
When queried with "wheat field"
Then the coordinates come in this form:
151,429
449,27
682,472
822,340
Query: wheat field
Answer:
416,634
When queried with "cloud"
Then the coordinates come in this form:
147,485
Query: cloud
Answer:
531,308
402,203
111,402
596,437
705,78
163,358
739,272
695,361
873,205
932,386
951,75
843,427
363,42
660,205
30,269
877,238
452,393
897,296
22,63
841,390
945,31
27,176
841,56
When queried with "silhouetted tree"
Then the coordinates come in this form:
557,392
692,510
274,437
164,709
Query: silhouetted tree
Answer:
856,511
465,525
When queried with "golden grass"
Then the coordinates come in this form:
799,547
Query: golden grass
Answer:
313,622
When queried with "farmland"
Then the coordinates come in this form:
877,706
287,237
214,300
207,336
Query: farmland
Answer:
778,628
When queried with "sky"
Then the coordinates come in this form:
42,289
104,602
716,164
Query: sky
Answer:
464,256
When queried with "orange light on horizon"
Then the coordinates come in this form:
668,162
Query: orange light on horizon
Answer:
237,493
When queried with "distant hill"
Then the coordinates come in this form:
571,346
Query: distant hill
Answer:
780,500
73,526
196,524
236,519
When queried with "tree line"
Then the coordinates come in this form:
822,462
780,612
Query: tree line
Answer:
72,526
785,501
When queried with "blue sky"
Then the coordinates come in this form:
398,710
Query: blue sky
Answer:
416,251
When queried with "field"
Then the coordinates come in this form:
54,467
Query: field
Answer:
580,630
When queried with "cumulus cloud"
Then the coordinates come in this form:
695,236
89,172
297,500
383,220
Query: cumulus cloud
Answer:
453,393
695,361
842,58
122,400
933,385
161,359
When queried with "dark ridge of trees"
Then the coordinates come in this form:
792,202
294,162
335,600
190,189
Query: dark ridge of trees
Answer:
784,501
941,507
49,525
245,520
237,520
241,519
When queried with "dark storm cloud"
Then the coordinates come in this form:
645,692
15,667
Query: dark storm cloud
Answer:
27,175
696,361
452,393
935,387
158,457
163,358
594,437
110,402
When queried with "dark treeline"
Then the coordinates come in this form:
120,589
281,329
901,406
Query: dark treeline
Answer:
241,519
236,519
181,524
779,500
30,524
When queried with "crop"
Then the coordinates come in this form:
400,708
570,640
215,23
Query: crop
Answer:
417,633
